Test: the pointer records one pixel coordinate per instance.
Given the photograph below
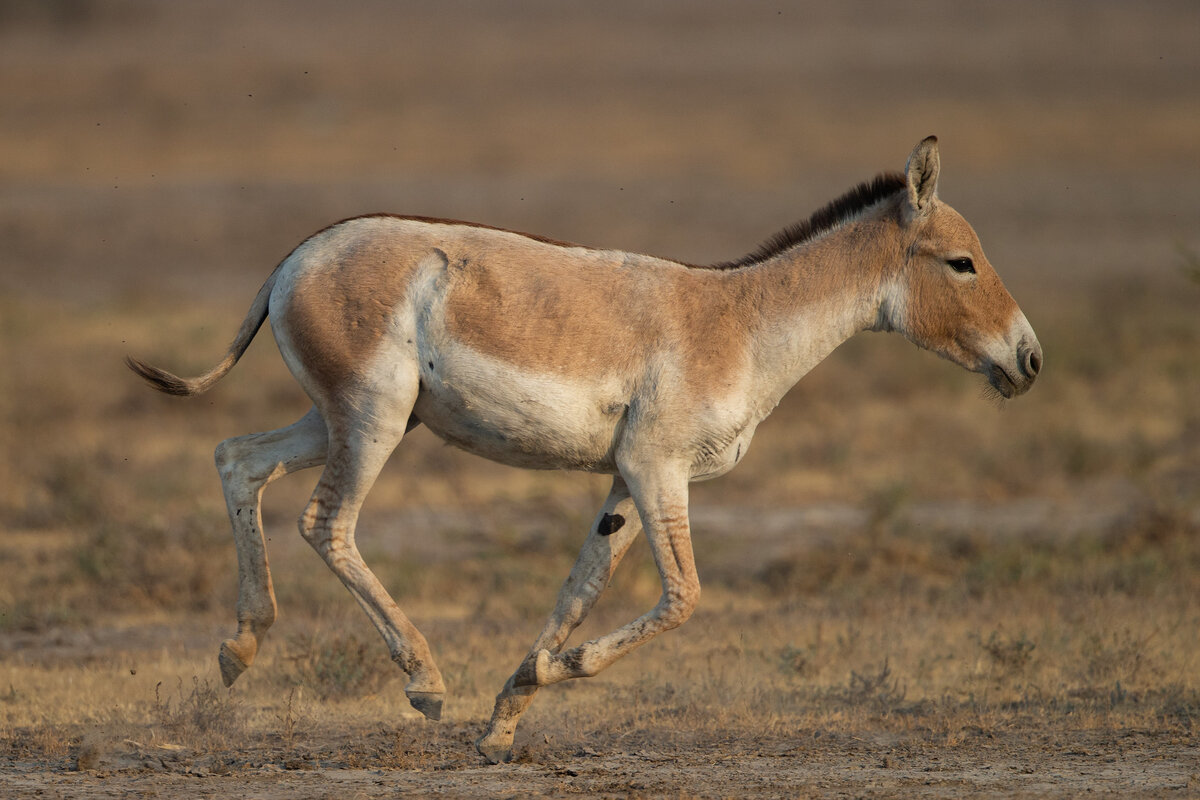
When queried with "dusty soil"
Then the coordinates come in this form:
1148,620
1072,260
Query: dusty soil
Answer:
655,763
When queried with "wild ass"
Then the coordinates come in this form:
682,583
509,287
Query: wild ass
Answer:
549,355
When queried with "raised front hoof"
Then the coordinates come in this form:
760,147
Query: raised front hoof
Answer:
428,703
495,752
231,665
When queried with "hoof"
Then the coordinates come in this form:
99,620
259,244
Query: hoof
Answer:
231,665
494,753
428,703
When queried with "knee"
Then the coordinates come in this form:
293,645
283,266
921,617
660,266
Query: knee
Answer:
678,606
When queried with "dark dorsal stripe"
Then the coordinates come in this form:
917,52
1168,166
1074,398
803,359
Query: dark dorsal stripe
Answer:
851,203
848,205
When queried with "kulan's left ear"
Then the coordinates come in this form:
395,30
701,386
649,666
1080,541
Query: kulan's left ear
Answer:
922,174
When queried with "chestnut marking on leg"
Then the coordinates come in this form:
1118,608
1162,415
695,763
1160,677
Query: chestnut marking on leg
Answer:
610,524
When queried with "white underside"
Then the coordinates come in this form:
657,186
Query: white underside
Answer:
525,419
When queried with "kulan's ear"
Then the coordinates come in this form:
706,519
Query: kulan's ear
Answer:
922,174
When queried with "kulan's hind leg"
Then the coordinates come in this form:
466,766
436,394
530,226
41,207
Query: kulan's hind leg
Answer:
247,464
613,530
356,456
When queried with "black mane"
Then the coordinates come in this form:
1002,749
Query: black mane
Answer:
852,202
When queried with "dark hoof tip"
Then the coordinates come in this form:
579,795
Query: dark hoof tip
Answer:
494,755
231,665
428,703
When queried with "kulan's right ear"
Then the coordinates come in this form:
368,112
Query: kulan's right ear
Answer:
921,173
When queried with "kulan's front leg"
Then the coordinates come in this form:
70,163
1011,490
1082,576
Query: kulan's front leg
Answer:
662,500
613,530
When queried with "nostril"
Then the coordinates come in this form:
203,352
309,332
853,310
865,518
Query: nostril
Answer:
1033,363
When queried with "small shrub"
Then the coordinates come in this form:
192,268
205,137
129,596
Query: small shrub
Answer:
797,660
341,665
1007,656
1119,657
874,688
207,714
292,716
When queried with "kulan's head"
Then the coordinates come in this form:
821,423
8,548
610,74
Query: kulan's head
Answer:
946,297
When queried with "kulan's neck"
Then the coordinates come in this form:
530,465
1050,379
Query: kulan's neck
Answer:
815,296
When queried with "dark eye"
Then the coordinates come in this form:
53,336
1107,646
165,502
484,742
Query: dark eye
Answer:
961,265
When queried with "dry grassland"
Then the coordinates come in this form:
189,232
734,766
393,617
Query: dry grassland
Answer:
909,590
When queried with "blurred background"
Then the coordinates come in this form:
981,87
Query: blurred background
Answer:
184,148
158,159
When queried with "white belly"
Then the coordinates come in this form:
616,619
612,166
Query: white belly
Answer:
539,421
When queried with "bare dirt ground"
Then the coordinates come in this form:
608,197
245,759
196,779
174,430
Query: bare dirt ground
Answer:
909,591
843,744
1132,764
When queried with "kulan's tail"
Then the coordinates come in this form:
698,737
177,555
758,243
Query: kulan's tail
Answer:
189,387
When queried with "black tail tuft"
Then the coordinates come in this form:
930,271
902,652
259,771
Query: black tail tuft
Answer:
161,379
